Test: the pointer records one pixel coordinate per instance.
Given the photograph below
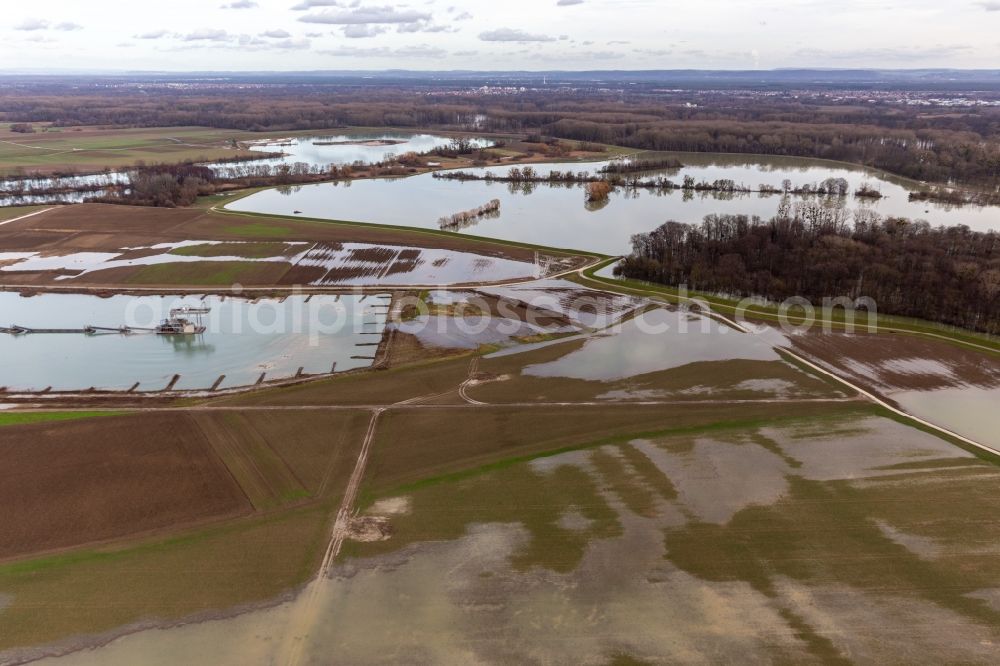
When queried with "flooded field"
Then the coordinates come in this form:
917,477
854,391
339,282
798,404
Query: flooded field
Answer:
291,263
955,388
661,549
559,216
243,340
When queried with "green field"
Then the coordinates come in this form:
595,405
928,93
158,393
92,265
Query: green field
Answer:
10,212
21,418
93,149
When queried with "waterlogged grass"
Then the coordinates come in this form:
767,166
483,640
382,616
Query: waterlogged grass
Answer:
515,494
817,530
457,443
824,532
22,418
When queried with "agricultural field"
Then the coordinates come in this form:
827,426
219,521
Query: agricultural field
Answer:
93,149
235,505
100,245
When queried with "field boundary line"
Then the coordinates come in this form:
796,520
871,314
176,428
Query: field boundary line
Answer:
24,217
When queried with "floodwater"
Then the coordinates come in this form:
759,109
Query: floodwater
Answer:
243,340
558,215
585,307
656,340
971,411
469,332
21,192
341,149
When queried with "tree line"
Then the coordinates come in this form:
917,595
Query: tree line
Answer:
944,274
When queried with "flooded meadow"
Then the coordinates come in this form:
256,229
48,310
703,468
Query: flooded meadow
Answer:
666,549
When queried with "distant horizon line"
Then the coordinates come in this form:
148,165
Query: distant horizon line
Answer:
395,70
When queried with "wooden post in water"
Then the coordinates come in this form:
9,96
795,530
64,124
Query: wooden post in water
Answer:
260,380
218,381
134,387
173,382
299,373
333,368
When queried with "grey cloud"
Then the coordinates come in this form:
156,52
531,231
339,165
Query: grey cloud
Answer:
424,26
990,6
34,24
309,4
276,34
240,4
206,35
290,44
361,31
512,35
363,15
155,34
568,3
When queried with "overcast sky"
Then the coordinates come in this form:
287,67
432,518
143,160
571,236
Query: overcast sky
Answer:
491,34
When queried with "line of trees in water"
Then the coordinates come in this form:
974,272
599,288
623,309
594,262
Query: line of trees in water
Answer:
610,180
944,274
467,218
